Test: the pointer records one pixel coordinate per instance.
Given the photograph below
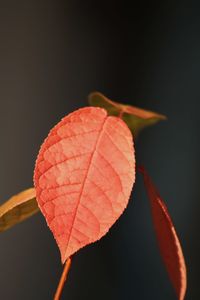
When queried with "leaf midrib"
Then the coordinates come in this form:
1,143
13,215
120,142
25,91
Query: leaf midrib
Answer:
101,131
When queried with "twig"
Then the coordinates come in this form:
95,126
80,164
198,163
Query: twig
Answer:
63,279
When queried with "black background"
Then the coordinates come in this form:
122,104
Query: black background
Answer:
52,55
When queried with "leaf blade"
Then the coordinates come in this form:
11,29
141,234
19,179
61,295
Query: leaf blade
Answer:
82,189
18,208
169,244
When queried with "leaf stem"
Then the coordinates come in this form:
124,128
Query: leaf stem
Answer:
63,279
121,112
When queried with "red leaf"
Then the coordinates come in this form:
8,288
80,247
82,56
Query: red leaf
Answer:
83,177
168,241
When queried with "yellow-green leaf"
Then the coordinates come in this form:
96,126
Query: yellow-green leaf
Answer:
18,208
136,118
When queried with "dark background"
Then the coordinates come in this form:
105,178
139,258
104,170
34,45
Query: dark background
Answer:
52,54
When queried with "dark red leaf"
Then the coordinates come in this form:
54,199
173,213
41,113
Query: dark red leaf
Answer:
168,241
83,177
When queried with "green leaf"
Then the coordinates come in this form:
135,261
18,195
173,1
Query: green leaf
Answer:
18,208
136,118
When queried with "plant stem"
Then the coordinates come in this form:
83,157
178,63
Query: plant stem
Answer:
63,279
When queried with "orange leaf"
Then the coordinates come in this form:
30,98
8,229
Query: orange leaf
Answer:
168,241
83,177
17,209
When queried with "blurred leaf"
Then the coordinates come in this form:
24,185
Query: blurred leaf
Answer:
18,208
168,241
136,118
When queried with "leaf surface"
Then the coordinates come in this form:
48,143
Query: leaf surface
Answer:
83,177
168,241
18,208
136,118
